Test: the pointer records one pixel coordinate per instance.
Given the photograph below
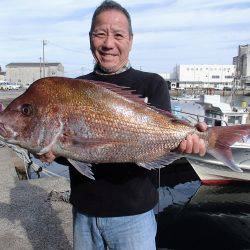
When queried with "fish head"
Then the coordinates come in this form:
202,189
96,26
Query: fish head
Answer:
31,120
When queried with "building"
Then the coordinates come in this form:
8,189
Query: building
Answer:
242,63
165,76
26,73
2,75
204,76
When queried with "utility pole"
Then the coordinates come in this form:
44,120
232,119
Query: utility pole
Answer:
44,42
40,60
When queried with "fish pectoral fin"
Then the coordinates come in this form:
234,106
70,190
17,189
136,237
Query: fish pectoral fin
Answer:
83,168
161,162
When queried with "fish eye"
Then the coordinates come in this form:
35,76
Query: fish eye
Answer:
26,109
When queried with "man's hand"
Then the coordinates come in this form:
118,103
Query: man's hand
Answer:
48,157
193,144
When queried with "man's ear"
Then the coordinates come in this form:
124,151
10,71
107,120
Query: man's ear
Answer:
90,41
130,42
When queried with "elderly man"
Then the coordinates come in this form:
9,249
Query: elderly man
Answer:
115,210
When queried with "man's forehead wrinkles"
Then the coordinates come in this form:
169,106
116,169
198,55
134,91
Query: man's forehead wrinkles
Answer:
110,28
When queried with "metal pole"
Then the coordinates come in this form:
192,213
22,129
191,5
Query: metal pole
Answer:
159,185
44,43
40,60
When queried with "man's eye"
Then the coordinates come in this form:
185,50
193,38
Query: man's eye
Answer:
100,35
119,36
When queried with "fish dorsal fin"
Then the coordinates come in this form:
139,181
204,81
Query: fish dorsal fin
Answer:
127,92
122,91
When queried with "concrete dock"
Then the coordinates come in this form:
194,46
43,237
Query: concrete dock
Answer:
28,219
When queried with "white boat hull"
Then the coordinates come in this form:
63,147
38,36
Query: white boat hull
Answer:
211,171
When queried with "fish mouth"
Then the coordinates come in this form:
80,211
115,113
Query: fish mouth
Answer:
3,132
6,133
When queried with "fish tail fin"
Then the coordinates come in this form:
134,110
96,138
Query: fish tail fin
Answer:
222,138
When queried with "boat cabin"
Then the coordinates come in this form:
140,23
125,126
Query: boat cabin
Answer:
218,113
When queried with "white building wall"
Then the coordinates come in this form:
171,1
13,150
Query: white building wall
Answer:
25,75
2,78
206,73
205,76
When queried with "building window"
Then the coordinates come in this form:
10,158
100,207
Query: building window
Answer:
215,77
229,77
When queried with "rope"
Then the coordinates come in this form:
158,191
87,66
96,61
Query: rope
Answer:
22,154
25,156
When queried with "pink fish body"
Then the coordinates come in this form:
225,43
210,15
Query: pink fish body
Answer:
93,122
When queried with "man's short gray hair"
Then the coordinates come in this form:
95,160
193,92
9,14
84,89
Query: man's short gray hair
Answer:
110,5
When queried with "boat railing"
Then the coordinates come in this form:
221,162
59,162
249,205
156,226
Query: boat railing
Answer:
197,117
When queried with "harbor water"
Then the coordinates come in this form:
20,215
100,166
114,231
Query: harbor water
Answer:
215,217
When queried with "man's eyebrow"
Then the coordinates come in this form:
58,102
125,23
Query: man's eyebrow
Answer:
99,29
113,30
123,31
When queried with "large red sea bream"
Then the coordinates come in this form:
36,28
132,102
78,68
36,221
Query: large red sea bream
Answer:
93,122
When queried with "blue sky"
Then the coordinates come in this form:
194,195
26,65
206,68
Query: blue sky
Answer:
166,33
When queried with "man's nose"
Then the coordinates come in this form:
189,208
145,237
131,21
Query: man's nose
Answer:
109,42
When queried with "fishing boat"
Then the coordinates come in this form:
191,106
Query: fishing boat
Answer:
188,97
209,169
212,171
218,113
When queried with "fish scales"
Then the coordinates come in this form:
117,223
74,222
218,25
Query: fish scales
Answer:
106,116
95,122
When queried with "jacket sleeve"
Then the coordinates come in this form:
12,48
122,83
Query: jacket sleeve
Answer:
159,94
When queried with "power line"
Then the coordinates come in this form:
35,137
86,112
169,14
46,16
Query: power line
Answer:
77,70
65,48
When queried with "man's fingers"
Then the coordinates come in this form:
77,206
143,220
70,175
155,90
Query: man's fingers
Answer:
182,146
196,144
201,126
202,148
193,145
189,144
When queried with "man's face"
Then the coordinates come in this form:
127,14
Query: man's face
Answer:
110,40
